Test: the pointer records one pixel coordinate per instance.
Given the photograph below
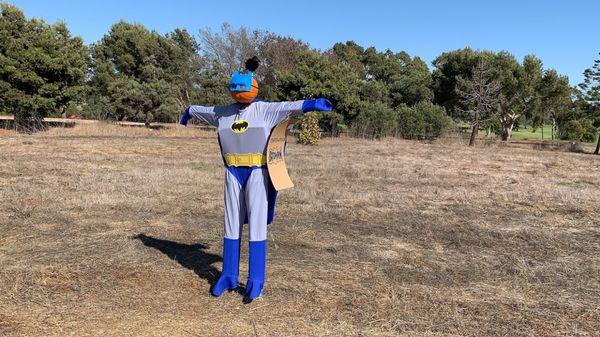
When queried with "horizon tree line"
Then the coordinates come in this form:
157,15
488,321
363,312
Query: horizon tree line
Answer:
136,74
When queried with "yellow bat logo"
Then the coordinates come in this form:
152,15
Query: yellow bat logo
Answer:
239,126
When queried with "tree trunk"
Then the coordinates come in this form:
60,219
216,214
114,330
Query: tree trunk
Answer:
474,133
506,131
507,120
598,146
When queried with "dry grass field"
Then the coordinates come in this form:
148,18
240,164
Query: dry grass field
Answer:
112,231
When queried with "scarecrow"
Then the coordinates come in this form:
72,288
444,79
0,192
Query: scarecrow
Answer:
244,130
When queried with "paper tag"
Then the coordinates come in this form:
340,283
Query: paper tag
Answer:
276,156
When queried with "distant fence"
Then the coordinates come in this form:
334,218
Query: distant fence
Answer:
7,122
554,144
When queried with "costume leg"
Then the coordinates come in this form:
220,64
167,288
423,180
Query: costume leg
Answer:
235,212
257,204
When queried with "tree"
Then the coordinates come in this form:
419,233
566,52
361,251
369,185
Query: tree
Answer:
185,67
42,68
450,66
353,55
523,87
590,94
480,95
141,75
555,95
212,85
230,48
405,80
278,55
519,94
316,75
413,84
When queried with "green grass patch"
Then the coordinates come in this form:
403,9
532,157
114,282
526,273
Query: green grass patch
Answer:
528,133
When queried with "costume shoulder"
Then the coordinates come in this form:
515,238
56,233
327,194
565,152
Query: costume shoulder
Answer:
228,110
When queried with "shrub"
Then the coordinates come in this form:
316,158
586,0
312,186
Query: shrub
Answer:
578,130
375,120
436,119
493,125
411,125
424,120
341,127
331,122
310,133
576,147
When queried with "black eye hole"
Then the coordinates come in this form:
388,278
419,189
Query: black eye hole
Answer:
237,87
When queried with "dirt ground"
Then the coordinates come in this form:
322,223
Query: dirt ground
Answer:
112,231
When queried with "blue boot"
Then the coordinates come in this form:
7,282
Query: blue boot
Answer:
257,261
231,262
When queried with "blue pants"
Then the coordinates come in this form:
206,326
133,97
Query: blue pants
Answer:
246,201
249,198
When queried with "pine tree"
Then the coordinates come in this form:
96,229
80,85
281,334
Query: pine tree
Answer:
590,90
141,75
42,68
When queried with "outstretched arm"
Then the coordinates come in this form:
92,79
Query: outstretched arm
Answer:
276,112
204,114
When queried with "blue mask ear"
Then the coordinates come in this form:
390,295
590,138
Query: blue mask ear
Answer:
241,82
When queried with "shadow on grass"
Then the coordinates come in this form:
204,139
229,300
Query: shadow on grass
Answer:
193,257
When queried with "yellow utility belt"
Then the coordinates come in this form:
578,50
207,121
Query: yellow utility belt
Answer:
245,159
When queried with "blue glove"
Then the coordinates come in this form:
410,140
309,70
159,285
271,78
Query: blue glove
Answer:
319,104
186,117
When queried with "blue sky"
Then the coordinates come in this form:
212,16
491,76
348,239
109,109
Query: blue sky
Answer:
564,34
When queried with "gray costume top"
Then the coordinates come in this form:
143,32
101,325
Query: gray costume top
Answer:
245,128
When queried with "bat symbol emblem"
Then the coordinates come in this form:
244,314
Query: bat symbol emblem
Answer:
239,126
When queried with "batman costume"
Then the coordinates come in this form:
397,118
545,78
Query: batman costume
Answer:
243,130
